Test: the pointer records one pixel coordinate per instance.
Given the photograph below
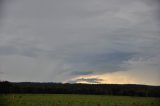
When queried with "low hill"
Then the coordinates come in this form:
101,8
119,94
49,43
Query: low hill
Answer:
96,89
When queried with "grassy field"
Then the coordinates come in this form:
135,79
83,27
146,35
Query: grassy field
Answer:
76,100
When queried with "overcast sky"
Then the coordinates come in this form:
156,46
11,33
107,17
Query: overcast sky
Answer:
92,41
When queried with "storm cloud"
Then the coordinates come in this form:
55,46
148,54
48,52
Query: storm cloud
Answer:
60,40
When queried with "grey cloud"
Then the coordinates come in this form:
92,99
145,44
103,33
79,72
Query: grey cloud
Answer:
12,50
63,39
82,72
1,72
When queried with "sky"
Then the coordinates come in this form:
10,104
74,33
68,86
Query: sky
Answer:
80,41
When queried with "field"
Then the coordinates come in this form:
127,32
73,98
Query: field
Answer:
76,100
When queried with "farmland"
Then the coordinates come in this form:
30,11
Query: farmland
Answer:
76,100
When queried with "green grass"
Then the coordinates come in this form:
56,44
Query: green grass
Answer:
76,100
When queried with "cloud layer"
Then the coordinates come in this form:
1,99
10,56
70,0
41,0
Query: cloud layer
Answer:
60,40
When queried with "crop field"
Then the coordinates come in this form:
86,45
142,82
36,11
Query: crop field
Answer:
75,100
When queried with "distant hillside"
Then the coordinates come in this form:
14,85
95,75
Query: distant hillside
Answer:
96,89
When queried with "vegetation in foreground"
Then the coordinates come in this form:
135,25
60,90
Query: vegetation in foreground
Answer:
76,100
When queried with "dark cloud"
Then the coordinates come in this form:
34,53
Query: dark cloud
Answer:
88,80
99,63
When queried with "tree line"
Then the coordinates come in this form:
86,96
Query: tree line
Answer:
66,88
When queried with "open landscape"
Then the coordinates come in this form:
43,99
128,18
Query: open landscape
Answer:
77,100
79,52
60,94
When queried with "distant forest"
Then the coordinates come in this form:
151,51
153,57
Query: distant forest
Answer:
95,89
